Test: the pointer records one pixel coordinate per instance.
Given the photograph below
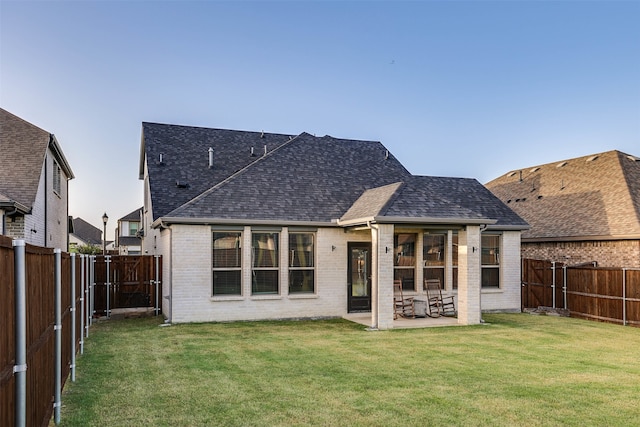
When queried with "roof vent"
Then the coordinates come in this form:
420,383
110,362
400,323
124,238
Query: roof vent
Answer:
262,134
633,158
252,154
182,184
536,169
161,159
511,174
592,158
210,157
386,155
561,165
265,149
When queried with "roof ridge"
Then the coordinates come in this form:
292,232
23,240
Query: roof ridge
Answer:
235,174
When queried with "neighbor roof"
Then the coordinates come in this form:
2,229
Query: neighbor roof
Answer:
589,197
132,216
87,232
23,147
302,179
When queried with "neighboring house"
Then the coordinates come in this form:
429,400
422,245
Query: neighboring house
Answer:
580,210
34,190
255,225
84,234
128,241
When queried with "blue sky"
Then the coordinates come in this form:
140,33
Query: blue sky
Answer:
452,88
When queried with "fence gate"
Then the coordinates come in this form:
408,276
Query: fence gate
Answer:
127,281
541,282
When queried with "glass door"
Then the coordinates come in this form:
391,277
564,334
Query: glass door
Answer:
359,281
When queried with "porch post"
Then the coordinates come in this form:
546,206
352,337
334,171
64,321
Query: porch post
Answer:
382,276
469,276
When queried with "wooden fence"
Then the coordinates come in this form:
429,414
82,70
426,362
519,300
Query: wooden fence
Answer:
125,281
46,372
598,293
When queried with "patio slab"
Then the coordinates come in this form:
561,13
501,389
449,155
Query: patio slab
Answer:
403,323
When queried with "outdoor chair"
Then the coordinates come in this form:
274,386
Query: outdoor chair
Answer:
437,305
402,306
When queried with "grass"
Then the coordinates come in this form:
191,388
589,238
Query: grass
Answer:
517,370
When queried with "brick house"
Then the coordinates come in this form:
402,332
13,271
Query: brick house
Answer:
255,225
34,191
580,210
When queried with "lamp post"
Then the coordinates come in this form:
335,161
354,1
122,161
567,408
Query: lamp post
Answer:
105,218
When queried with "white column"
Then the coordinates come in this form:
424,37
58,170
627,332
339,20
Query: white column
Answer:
382,276
469,310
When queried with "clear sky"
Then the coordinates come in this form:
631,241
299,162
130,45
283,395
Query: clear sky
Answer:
452,88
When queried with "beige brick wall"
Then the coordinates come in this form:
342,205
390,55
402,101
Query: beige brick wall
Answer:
607,253
507,298
188,249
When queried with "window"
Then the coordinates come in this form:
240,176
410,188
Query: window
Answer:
454,260
301,263
490,261
133,228
227,263
405,260
265,254
56,177
434,251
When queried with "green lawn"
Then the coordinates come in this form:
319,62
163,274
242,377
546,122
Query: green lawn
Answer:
516,370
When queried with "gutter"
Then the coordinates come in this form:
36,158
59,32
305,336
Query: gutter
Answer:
164,222
415,220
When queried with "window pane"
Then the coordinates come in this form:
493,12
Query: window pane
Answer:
434,249
455,278
435,273
301,281
265,282
405,249
226,282
454,251
490,250
407,277
227,252
300,250
491,277
265,249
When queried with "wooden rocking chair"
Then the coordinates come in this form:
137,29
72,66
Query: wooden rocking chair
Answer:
437,305
402,306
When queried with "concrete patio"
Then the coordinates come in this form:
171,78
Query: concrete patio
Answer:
404,323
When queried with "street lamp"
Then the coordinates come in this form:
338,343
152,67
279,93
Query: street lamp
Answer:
105,218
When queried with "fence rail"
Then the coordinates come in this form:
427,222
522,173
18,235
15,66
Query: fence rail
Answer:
599,293
46,308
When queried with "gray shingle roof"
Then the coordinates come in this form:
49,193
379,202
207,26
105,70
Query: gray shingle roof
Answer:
184,151
586,197
87,232
301,179
306,179
132,216
432,198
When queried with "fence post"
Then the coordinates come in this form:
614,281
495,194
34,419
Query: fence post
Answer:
564,285
156,259
58,334
553,284
107,260
20,367
624,297
82,299
72,312
92,289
